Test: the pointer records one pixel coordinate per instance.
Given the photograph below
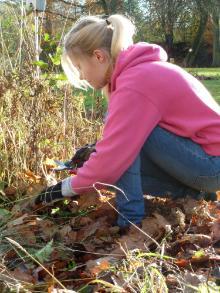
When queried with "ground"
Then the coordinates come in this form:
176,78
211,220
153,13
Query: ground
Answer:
75,245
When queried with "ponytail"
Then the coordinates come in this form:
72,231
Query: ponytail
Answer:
123,31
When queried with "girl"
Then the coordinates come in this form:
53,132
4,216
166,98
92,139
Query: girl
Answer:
162,132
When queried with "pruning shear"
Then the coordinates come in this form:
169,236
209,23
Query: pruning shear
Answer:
77,161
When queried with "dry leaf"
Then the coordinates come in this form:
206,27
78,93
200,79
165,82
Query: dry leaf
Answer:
17,221
10,191
31,176
27,235
47,229
161,221
88,231
64,232
35,188
22,276
199,239
87,200
215,230
194,279
182,263
85,221
135,239
49,164
95,267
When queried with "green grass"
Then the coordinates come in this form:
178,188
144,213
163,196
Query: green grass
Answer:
210,72
213,85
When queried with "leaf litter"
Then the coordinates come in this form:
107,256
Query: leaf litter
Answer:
75,246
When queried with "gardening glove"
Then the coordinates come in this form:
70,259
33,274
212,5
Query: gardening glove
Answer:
77,161
81,156
56,192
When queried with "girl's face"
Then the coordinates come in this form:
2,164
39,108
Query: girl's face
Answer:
95,69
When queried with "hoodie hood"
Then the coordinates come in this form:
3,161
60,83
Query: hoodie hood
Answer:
136,54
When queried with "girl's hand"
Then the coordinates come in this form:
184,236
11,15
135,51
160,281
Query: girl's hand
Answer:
52,194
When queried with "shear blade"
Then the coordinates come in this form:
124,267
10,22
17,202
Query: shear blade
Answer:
61,166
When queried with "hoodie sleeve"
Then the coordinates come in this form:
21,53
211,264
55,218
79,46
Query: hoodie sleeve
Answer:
131,118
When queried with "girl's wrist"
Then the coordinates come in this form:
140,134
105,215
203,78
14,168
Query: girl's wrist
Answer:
66,188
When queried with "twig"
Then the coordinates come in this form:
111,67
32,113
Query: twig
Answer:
132,224
35,260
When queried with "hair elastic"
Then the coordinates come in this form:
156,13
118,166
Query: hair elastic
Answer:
107,21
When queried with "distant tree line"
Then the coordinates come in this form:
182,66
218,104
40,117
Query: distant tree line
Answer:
188,30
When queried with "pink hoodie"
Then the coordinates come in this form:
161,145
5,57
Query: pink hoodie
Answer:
147,91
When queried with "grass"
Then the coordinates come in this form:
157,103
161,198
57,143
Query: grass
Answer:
210,72
213,85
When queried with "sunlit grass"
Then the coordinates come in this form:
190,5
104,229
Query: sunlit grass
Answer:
213,85
210,72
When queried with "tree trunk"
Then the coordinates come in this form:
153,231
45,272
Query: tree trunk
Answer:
169,29
105,6
190,58
216,42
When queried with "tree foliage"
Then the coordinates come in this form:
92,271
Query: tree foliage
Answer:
170,23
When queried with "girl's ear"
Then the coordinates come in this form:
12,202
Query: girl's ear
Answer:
100,55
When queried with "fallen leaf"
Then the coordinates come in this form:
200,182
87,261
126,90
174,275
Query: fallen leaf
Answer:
49,164
26,234
85,221
88,231
17,221
135,239
194,279
22,276
47,229
12,191
182,263
87,200
215,230
95,267
161,221
71,237
178,218
43,254
64,232
199,239
31,176
189,205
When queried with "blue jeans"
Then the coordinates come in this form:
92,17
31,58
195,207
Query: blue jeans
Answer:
167,165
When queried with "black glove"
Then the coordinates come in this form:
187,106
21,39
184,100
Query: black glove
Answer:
50,194
81,156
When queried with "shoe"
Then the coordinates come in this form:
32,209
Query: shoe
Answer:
126,229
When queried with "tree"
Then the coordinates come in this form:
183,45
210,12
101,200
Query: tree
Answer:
104,7
216,32
206,11
165,15
202,14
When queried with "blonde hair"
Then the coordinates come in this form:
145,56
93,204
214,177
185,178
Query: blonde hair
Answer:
90,33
